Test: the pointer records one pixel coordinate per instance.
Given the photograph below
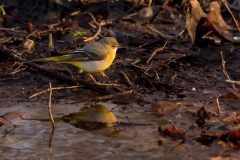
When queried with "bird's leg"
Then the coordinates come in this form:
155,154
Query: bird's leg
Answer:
104,75
80,71
93,78
102,84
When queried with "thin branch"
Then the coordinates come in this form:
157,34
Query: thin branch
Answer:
218,105
126,78
155,52
160,33
111,95
225,71
50,105
51,117
233,82
183,136
46,90
234,19
50,39
99,28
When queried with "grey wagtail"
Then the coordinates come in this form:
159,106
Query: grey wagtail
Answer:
94,57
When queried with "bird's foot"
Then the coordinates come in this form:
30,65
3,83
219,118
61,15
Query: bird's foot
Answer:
103,84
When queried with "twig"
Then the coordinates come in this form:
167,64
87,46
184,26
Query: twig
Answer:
150,3
157,76
207,102
99,28
161,48
50,39
218,105
180,106
169,61
126,78
233,82
172,78
145,68
155,51
19,70
235,93
50,143
34,32
132,124
183,136
14,64
129,122
136,61
112,95
210,100
57,88
49,105
234,19
6,40
224,70
92,25
160,33
51,117
13,30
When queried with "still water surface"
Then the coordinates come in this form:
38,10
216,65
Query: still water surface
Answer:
30,138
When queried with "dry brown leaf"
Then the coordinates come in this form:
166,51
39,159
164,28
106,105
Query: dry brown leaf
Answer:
215,17
193,18
200,24
164,107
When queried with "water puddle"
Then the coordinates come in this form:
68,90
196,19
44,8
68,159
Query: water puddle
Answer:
135,137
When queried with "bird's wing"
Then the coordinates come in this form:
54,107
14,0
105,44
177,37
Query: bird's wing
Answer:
94,51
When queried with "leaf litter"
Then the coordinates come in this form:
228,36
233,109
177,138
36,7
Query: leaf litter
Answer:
173,100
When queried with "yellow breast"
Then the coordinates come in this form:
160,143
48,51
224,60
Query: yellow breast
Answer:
96,66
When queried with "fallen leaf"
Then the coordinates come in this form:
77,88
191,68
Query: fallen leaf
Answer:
164,107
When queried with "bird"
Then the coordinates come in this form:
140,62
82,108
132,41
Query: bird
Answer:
94,57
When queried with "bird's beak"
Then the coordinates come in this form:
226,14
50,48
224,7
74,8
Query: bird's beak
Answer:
121,46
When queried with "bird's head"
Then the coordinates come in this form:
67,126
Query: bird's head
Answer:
112,42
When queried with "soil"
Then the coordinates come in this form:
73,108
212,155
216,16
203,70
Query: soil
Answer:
182,71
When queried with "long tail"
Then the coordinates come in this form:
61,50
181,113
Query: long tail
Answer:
55,59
